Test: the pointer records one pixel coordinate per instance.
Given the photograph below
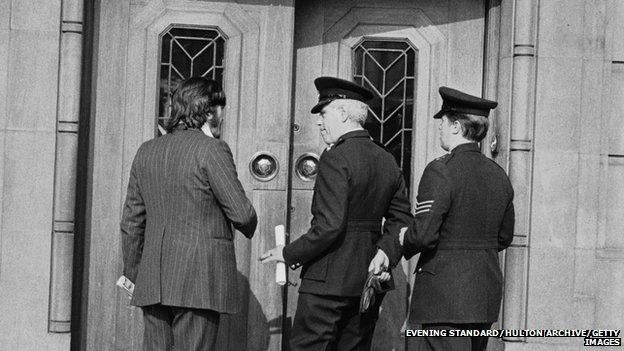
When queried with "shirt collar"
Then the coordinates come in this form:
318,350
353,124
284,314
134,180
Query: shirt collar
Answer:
360,133
468,147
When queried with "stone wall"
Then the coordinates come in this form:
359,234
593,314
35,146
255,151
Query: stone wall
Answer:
562,67
40,53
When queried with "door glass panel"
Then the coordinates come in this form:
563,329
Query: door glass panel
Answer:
187,52
387,67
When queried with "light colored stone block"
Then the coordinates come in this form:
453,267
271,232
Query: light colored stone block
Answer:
25,278
65,177
584,272
525,16
36,15
24,287
520,176
69,79
610,294
593,108
466,50
61,277
506,30
72,10
558,104
522,97
2,196
28,182
595,22
614,237
616,98
4,66
5,14
514,300
551,273
588,201
553,215
584,313
561,28
33,81
616,13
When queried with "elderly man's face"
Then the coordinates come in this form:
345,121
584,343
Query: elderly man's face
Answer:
329,121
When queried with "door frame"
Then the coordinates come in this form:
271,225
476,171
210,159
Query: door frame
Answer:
496,32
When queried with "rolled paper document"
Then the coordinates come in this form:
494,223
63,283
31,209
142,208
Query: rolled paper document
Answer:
280,268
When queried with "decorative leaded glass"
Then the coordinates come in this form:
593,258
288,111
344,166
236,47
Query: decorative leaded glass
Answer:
388,69
187,52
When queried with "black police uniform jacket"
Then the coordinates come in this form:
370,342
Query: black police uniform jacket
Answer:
464,215
358,184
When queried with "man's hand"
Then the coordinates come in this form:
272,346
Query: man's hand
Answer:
402,235
275,254
379,265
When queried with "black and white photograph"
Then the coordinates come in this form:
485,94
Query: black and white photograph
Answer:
311,175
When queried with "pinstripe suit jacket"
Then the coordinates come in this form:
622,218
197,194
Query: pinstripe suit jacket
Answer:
183,197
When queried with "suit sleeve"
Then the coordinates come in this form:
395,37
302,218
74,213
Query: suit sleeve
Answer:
397,216
133,225
229,192
506,232
329,211
432,205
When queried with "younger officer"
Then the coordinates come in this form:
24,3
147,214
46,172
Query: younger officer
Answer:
358,184
464,215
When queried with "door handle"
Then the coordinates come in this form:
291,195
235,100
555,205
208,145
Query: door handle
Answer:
263,166
306,166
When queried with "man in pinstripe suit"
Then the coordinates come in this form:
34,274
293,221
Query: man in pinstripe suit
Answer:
183,198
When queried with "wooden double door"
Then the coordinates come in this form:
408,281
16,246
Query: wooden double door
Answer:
267,54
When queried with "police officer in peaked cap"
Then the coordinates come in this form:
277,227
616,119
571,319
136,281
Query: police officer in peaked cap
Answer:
358,183
464,216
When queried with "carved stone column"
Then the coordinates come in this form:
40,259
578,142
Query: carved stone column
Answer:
65,166
517,94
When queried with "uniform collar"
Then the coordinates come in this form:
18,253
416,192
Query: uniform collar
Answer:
360,133
468,147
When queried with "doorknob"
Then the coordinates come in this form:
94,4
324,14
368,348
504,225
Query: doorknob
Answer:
306,166
263,166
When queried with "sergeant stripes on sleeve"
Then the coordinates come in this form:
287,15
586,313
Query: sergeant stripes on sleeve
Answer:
423,206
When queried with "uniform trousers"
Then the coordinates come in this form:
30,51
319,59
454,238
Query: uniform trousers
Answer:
178,328
456,343
333,323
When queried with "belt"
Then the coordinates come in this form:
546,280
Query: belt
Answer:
467,245
365,225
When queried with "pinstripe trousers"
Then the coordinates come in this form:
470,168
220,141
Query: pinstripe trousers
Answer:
177,328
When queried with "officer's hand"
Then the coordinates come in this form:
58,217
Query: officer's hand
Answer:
275,254
379,265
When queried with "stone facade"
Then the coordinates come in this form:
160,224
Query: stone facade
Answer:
564,80
32,50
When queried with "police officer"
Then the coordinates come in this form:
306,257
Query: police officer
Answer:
464,216
358,184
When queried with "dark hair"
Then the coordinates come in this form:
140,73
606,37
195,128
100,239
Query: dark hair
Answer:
474,127
193,100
